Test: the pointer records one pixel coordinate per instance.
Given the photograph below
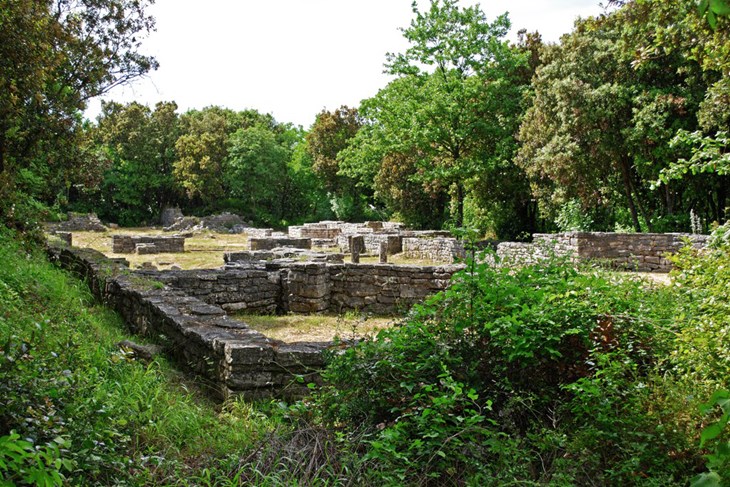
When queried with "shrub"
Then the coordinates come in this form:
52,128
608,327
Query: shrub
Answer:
473,379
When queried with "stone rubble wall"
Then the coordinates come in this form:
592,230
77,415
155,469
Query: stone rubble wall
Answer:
641,252
372,242
443,249
81,222
235,359
270,243
148,244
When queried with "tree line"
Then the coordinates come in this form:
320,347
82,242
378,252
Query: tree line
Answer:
621,126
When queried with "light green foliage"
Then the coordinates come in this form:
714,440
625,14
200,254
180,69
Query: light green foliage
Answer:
573,218
429,114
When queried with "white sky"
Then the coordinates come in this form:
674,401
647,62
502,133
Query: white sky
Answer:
293,58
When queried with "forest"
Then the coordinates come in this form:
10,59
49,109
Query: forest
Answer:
621,126
547,374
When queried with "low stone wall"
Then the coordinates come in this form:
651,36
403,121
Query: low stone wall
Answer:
372,242
269,243
235,359
149,244
444,249
250,290
385,288
642,252
371,288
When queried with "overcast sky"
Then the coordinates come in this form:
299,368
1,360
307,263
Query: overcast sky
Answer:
292,58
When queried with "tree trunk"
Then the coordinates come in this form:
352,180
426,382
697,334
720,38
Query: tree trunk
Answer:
459,205
626,177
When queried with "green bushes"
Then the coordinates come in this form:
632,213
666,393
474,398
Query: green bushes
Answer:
539,374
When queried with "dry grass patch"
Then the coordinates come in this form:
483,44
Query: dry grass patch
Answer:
316,328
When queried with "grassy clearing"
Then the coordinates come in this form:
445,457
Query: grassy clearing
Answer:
204,250
302,328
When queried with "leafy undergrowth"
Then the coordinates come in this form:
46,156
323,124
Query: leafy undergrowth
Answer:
546,375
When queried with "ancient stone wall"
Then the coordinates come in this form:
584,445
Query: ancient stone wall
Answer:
235,359
642,252
251,290
384,288
372,242
147,244
443,249
269,243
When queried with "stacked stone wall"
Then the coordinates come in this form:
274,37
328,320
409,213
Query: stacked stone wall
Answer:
372,241
269,243
235,358
642,252
444,249
250,290
384,288
148,244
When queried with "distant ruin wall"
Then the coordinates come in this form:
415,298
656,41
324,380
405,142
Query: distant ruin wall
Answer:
444,249
147,244
642,252
269,243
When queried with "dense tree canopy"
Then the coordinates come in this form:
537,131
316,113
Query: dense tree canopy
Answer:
621,125
54,56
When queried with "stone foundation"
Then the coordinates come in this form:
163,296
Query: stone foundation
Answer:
443,249
269,243
641,252
235,359
127,244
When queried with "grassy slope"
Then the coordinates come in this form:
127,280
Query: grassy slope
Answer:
74,407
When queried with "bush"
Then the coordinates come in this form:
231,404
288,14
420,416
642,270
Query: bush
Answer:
467,387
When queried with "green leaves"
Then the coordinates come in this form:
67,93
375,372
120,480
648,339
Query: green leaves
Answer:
712,8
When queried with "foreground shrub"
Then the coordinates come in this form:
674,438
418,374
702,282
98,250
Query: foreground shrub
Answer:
541,373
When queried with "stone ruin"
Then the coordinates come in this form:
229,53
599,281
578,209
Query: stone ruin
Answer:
641,252
147,244
80,222
188,310
221,223
392,238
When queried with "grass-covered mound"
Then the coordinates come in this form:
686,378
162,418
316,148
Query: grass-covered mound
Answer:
75,408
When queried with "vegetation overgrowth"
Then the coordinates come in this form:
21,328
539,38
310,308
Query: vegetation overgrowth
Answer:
539,375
